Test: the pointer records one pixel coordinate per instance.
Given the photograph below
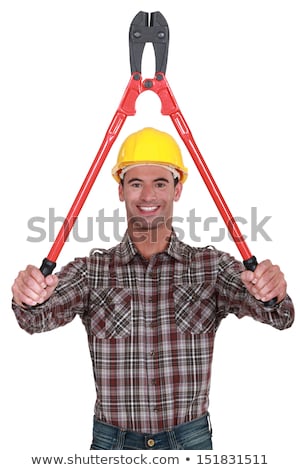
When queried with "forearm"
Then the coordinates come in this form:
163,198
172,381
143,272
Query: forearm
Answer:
234,297
69,298
281,316
44,317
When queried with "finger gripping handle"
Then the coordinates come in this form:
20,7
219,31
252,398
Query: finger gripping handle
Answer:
47,267
251,264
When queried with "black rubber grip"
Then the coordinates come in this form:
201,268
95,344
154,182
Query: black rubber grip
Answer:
47,267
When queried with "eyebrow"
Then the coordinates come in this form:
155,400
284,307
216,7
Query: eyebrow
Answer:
155,180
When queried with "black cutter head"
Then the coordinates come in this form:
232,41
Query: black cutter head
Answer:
144,29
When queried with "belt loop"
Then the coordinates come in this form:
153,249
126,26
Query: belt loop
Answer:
172,439
209,424
120,439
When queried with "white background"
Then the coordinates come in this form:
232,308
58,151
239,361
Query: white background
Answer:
234,70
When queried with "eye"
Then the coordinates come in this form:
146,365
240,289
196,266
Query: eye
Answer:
160,185
136,184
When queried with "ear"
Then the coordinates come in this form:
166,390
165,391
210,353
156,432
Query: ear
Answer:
121,193
177,191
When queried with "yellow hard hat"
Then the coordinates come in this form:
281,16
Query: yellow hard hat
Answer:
150,146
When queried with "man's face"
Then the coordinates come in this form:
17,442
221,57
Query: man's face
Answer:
149,193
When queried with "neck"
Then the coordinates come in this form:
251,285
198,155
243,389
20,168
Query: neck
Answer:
150,242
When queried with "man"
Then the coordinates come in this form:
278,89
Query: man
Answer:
151,307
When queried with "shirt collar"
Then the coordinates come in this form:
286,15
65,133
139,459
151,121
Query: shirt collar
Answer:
126,250
177,249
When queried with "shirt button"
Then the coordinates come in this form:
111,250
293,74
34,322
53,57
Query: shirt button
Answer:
151,443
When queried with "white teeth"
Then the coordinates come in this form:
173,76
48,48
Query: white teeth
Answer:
148,209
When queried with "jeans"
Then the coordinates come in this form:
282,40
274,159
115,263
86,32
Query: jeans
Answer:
195,434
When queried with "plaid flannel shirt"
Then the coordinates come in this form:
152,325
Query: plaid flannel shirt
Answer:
151,326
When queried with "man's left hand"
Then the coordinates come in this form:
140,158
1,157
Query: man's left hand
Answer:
266,282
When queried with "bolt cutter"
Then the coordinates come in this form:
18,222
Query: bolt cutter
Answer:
153,29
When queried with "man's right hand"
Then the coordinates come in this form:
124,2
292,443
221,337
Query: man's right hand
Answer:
32,288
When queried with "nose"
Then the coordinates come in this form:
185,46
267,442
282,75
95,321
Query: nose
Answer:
148,193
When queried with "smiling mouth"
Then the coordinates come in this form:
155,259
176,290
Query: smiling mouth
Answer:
148,209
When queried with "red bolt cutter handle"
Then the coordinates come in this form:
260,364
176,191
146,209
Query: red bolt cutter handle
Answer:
49,263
